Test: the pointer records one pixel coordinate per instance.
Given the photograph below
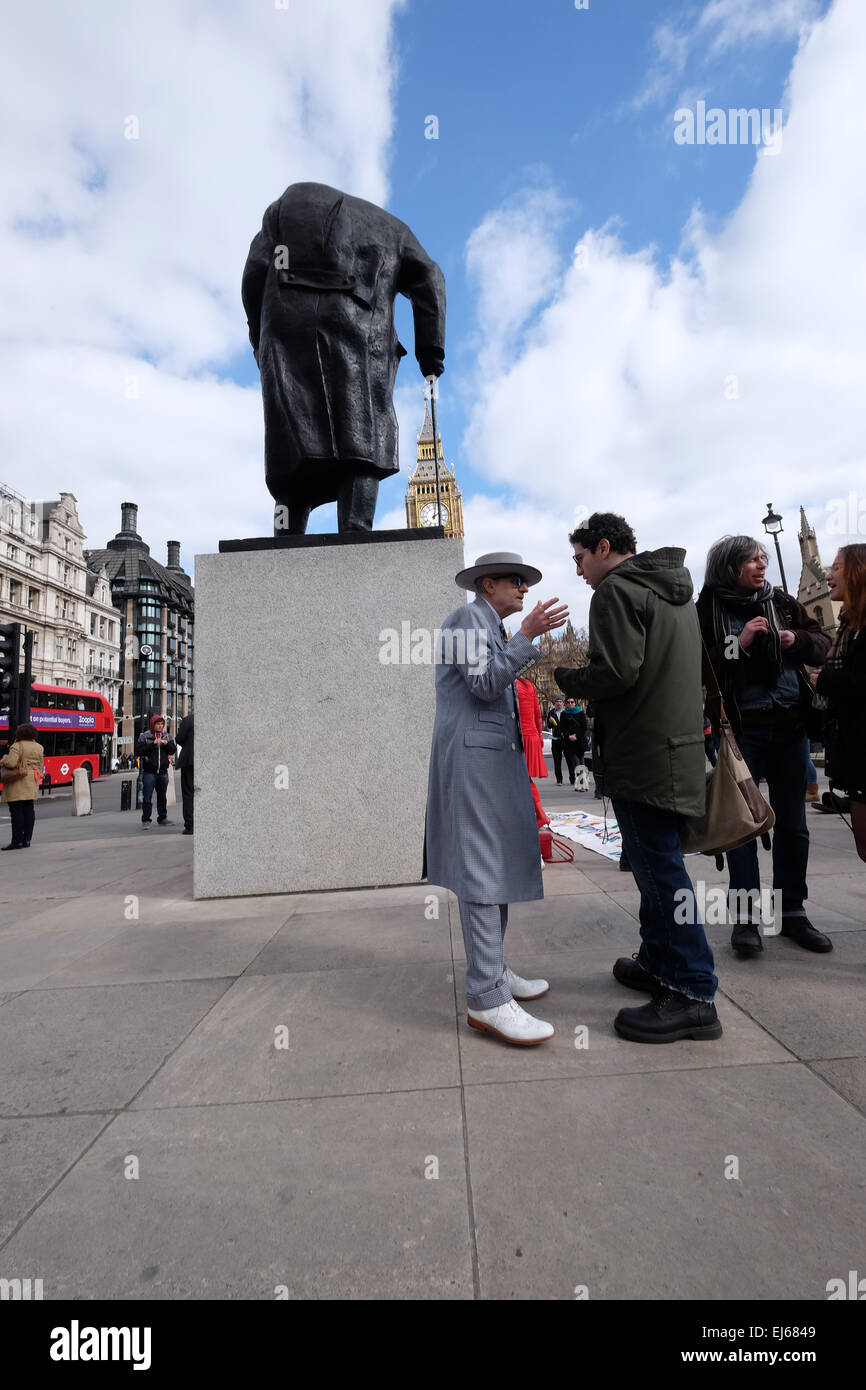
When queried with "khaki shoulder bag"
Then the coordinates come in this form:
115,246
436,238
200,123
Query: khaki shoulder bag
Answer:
736,812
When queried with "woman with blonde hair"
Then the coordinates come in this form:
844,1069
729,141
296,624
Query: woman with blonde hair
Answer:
21,772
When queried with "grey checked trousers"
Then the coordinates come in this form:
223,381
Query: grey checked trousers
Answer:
483,934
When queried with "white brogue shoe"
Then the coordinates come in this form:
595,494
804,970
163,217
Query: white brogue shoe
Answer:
510,1022
524,989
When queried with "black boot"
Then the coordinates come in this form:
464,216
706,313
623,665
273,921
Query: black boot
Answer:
746,939
632,974
800,929
670,1017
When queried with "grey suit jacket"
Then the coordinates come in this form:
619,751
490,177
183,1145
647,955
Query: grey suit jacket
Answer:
482,836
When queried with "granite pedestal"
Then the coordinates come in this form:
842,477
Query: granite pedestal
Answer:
314,702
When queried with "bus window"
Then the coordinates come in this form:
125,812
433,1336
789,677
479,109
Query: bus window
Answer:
65,744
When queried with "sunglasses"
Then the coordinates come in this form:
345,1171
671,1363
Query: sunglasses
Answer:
518,581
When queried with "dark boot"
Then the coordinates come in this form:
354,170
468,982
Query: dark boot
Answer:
800,930
632,974
670,1017
746,939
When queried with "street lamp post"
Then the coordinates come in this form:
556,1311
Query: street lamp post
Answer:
772,524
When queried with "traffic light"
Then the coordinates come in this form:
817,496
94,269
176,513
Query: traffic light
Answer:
10,655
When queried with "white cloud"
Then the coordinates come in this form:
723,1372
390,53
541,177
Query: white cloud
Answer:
731,22
720,26
114,249
620,396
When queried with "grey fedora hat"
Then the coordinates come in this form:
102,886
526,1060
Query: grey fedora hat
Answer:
494,565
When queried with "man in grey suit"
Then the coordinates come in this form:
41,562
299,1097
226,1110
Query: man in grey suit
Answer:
482,837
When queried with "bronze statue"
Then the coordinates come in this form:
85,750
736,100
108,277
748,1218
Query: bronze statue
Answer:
318,288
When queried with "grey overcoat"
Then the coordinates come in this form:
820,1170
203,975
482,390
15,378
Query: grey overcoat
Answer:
482,835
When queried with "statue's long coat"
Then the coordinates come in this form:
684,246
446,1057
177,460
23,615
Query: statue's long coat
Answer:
323,332
481,835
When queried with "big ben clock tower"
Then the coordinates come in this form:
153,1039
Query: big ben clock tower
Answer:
421,497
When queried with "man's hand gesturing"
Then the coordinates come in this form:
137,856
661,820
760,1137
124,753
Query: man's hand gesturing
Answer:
543,618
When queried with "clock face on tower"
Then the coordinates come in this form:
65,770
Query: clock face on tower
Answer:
428,516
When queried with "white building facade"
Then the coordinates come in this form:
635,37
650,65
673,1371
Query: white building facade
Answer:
46,586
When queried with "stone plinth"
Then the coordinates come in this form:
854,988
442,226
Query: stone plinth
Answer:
311,750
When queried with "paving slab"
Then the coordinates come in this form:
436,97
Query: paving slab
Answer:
348,1032
365,938
847,1075
354,900
326,1199
583,1001
559,924
27,958
34,1155
191,950
841,893
93,1049
618,1185
814,1004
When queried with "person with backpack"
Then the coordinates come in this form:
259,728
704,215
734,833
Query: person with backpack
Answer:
757,640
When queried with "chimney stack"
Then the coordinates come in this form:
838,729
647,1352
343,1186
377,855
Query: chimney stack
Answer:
129,518
173,555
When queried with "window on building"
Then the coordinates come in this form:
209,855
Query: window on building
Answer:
33,600
28,560
64,608
14,591
66,540
58,649
11,552
93,624
70,650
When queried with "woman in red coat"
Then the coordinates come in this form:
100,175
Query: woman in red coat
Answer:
533,746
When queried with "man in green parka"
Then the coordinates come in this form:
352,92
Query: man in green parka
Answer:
644,681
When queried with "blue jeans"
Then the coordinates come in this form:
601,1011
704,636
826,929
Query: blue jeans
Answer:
781,755
674,952
148,781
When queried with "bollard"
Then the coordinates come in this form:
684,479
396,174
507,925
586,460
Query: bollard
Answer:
170,790
126,795
82,804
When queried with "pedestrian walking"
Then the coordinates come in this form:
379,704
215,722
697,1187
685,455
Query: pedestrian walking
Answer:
842,680
21,773
644,681
155,750
184,761
553,718
758,640
481,836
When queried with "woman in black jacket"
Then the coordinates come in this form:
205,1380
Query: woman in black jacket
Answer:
758,640
843,681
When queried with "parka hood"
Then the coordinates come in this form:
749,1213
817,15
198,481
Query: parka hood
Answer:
663,571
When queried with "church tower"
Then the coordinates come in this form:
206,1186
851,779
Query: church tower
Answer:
421,496
813,592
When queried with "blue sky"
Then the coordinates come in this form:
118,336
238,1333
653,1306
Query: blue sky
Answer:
546,94
669,331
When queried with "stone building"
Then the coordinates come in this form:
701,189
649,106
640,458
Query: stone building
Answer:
46,587
155,603
421,494
812,590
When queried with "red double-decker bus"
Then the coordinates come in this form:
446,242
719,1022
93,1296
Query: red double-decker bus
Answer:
75,729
